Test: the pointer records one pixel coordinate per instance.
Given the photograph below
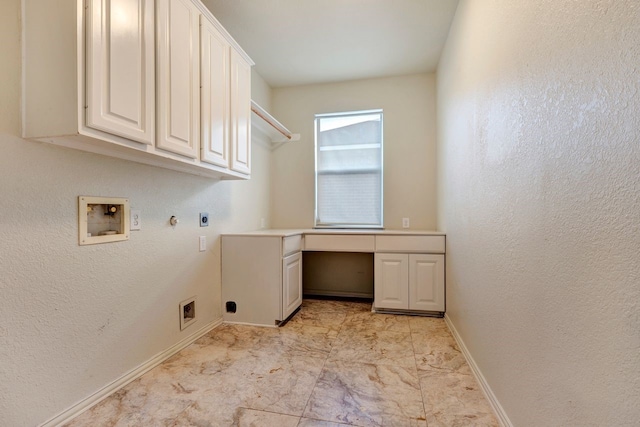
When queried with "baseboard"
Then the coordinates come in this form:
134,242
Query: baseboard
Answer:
229,322
501,415
88,402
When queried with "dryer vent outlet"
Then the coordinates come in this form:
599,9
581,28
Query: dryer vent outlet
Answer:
187,312
231,307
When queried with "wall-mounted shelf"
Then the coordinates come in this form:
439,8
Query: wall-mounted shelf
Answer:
269,127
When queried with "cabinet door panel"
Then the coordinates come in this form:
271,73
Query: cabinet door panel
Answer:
120,81
291,284
240,114
178,77
426,282
391,281
214,95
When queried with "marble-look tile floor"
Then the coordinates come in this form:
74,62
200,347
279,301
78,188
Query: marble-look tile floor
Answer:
333,364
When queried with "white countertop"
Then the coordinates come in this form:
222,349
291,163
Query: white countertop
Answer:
294,232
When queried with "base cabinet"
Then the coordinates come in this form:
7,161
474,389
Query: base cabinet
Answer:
262,271
261,278
409,282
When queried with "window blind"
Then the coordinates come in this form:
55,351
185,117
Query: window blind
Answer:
349,169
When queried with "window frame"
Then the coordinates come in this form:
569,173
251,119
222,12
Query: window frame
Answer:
316,125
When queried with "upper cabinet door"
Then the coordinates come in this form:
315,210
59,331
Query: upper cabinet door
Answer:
240,114
178,68
120,86
214,95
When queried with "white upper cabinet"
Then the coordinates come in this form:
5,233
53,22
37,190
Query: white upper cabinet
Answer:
240,114
120,81
214,95
178,70
122,78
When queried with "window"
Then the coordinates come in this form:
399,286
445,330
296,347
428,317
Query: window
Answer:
349,169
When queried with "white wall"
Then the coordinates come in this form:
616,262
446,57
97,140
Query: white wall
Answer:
73,319
260,90
409,146
539,160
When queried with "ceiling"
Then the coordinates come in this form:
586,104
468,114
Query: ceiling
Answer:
296,42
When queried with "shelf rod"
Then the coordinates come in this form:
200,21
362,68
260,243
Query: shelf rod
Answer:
264,115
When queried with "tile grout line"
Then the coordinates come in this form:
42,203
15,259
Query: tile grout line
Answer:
413,347
265,411
321,371
312,390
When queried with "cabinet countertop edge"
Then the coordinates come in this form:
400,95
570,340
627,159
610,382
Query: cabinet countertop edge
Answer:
342,231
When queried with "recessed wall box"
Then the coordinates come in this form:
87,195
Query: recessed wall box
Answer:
102,219
187,312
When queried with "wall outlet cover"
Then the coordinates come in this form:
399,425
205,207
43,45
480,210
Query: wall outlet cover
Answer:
136,219
204,219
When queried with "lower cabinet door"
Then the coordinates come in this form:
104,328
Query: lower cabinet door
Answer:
426,282
391,279
291,284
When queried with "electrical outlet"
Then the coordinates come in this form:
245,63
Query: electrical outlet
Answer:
135,220
263,223
204,219
405,222
203,243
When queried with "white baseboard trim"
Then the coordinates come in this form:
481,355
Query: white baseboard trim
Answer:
88,402
229,322
501,415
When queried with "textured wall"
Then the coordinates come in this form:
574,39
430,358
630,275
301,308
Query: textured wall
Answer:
409,146
73,319
539,193
260,90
